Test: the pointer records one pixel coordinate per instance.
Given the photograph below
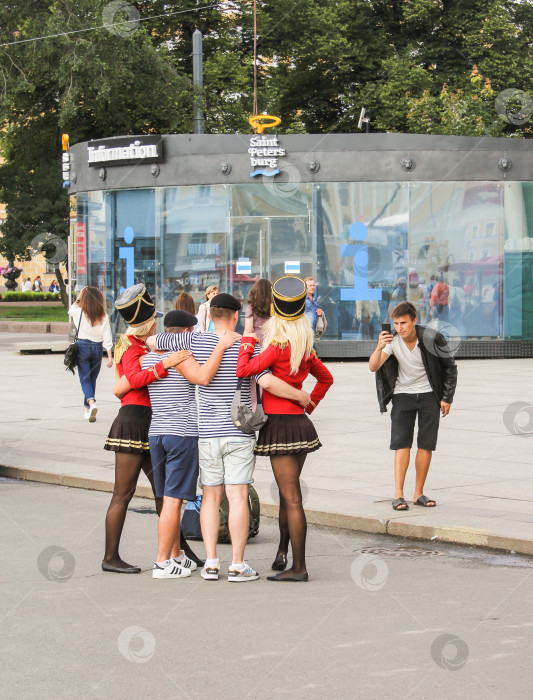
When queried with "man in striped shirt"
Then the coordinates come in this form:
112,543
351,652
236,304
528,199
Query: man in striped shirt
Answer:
226,454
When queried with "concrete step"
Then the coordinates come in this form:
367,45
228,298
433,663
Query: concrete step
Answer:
55,328
42,346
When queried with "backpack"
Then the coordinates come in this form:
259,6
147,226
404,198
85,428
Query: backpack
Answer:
190,521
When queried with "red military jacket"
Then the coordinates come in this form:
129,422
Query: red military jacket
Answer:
277,358
138,378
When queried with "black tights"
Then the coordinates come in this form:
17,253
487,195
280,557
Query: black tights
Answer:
127,470
292,521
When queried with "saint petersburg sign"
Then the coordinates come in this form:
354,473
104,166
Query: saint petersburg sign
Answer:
264,150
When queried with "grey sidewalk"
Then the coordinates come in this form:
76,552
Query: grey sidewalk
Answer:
481,476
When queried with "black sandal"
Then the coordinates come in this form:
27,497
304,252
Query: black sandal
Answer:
400,502
424,501
280,562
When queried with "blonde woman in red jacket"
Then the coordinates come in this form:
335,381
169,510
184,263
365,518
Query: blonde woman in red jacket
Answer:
289,435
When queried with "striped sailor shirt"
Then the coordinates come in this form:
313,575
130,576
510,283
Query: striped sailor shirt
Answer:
173,399
214,400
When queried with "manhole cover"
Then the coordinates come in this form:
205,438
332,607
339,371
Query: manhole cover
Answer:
405,552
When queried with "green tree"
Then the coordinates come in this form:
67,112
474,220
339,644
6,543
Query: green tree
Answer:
324,61
89,84
465,112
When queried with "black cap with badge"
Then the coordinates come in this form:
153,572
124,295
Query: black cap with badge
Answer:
179,319
225,301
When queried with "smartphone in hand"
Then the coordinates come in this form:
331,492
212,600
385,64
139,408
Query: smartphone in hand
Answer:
386,327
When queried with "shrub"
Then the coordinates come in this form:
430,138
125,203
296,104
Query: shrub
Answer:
31,296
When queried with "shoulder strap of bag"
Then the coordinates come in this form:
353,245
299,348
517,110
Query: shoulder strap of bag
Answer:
78,328
239,389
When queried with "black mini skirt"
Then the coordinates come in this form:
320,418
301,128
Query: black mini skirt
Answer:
129,432
287,434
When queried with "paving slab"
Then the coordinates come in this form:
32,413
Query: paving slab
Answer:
481,475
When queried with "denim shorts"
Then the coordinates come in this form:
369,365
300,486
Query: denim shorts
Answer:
226,460
174,465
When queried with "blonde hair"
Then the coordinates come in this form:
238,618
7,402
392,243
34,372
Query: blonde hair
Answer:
142,330
298,333
210,289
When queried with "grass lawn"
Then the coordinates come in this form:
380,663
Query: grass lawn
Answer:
43,313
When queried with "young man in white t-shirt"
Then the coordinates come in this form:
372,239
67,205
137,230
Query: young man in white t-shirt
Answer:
421,384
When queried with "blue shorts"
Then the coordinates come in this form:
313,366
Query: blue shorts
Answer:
175,466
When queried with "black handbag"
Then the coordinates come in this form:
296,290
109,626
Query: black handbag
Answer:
242,415
71,353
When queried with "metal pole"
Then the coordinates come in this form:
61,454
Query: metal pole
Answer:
255,60
198,80
69,267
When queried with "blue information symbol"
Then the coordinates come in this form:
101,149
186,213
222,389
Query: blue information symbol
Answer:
128,254
359,252
129,235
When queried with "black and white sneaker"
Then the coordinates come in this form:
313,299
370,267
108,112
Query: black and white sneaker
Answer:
186,563
210,573
172,570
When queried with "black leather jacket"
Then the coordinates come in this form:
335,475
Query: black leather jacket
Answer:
438,361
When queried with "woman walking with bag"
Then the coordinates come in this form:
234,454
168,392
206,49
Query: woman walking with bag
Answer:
289,435
94,333
128,437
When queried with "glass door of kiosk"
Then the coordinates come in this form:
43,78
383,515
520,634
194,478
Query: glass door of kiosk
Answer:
248,253
267,246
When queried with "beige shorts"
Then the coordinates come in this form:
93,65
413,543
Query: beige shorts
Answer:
226,460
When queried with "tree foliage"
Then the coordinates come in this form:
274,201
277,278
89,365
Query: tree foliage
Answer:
88,84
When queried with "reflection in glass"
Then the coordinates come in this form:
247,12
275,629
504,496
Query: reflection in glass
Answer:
461,252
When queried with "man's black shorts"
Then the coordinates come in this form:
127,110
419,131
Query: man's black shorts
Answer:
405,408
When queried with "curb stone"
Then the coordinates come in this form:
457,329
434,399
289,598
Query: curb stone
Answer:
397,528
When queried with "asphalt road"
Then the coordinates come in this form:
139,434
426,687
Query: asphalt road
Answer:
380,617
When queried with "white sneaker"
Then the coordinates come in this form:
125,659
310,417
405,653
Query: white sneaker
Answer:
92,413
172,570
247,574
210,573
186,563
